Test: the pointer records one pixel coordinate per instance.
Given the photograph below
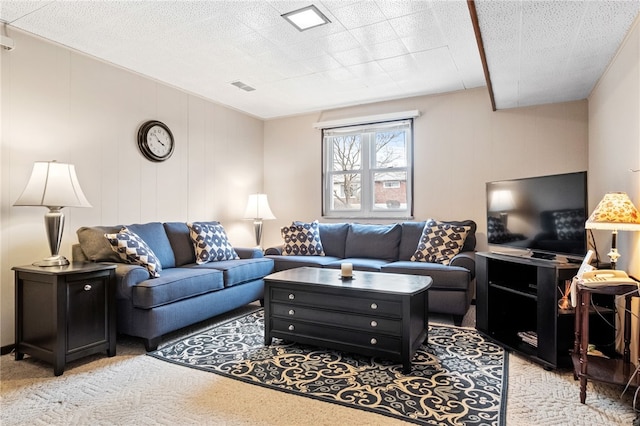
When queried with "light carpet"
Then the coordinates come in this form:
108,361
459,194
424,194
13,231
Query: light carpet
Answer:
457,378
132,388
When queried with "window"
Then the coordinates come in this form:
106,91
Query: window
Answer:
368,170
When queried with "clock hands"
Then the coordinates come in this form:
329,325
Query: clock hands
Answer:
158,139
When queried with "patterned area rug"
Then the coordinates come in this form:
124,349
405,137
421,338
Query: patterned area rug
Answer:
456,379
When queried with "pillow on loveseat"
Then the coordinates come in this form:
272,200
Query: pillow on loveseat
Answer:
302,239
94,246
210,242
132,249
440,242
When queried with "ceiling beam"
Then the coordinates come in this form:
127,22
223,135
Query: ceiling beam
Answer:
476,28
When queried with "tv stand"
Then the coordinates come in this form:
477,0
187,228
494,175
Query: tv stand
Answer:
517,306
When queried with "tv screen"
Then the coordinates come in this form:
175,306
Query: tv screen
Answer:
543,215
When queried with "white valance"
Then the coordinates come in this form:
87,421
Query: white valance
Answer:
379,118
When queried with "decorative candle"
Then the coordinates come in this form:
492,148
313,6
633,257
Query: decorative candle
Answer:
346,269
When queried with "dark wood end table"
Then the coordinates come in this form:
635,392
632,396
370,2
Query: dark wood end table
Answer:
65,312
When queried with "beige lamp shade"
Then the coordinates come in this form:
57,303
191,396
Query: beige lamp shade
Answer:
615,212
258,208
53,184
501,200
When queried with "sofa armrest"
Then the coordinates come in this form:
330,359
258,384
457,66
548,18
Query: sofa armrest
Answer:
466,259
128,275
249,253
277,250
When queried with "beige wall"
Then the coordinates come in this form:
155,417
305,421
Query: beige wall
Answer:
61,105
614,150
460,144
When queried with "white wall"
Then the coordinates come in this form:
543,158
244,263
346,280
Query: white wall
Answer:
614,150
61,105
460,144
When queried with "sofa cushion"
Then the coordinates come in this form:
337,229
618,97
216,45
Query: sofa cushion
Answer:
241,270
95,246
282,263
373,241
334,236
440,242
175,284
133,249
153,234
181,243
302,239
210,242
444,277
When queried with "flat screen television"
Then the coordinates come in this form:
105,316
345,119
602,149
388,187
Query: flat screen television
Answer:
540,216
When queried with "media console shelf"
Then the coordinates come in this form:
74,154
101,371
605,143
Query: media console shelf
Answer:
517,306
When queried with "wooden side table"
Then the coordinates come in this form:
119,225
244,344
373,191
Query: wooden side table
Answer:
65,312
588,367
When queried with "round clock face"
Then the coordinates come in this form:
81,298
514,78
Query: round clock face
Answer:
155,141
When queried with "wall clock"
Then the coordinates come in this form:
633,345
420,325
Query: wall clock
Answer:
155,140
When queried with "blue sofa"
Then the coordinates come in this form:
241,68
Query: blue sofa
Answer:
185,292
389,248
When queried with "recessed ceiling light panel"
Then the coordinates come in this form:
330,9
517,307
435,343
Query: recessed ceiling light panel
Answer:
306,18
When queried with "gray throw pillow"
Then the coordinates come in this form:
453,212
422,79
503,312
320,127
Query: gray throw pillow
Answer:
95,246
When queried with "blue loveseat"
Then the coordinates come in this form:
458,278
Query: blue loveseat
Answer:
389,248
185,292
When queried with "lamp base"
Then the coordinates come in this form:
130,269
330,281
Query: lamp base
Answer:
52,261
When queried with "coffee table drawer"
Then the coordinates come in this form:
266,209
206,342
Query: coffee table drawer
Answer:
335,337
341,319
366,305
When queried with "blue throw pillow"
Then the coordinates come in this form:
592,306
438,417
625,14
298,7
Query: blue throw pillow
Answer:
132,249
210,242
302,239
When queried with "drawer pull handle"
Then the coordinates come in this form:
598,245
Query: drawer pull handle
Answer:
374,306
292,296
291,327
87,287
374,341
374,323
292,312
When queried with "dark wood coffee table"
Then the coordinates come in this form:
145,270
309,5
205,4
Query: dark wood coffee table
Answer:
374,314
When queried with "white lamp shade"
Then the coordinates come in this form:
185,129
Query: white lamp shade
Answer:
53,184
615,212
501,200
258,208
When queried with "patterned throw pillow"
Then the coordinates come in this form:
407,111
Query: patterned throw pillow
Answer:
440,242
132,249
210,242
569,224
302,239
496,231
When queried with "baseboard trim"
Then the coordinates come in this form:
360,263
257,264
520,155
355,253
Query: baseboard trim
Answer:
7,349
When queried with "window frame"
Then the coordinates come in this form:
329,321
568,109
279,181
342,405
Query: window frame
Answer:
368,172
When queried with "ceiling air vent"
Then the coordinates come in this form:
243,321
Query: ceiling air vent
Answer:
245,87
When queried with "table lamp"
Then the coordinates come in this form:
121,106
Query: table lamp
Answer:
258,210
55,186
615,212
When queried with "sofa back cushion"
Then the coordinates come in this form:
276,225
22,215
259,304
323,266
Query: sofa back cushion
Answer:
156,238
178,234
333,237
95,246
373,241
412,231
